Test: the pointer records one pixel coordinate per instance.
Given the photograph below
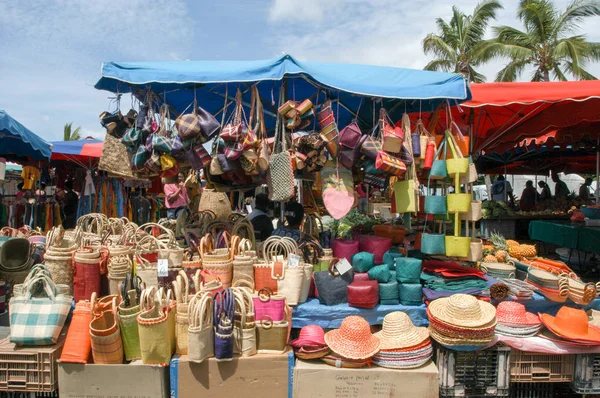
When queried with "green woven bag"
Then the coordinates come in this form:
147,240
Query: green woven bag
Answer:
389,291
363,261
380,273
129,328
410,293
408,270
390,257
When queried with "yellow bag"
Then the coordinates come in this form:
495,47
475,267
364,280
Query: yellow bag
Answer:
457,246
167,162
457,166
459,202
406,196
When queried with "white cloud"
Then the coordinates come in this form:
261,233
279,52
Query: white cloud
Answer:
293,10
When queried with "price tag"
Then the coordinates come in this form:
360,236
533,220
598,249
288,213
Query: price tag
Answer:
249,209
343,266
385,213
163,267
294,260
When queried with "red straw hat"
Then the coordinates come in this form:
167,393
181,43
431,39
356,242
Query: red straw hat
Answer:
572,324
310,335
513,313
353,339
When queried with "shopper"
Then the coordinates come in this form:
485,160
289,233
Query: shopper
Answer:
294,214
175,195
545,194
262,223
560,189
501,190
584,190
69,206
528,197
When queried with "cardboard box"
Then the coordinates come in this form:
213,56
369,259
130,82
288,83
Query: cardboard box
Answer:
114,381
317,379
261,375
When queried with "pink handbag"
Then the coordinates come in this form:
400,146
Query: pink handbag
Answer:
350,135
376,245
270,305
345,248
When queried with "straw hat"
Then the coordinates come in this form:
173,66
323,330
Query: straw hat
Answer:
310,335
513,313
399,332
462,310
572,324
353,340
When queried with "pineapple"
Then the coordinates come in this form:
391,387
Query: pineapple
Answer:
501,255
511,242
490,259
488,247
528,251
515,252
498,241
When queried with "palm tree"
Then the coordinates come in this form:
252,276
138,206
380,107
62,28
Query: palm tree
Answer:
550,43
458,45
70,134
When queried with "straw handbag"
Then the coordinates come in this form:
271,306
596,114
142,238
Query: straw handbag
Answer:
217,262
271,336
107,346
129,309
269,304
476,247
243,263
224,308
181,287
60,265
216,202
244,330
474,213
280,173
156,324
458,246
201,343
115,159
78,343
119,267
89,263
276,251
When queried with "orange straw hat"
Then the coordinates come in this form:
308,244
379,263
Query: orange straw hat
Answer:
353,339
399,332
572,324
463,310
513,313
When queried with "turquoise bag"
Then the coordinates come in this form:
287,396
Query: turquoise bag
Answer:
363,261
434,243
408,270
380,273
390,257
370,168
435,204
389,291
438,168
410,293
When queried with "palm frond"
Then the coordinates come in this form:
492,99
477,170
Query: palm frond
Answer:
442,65
511,71
575,13
483,13
491,49
578,72
574,49
558,74
539,17
434,44
513,36
446,32
476,77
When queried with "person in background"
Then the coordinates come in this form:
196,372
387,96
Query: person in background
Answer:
41,193
21,193
584,190
175,195
69,206
501,190
545,194
262,223
363,202
560,189
294,214
528,197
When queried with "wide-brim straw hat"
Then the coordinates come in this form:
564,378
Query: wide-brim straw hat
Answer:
310,335
462,310
399,332
514,314
353,339
472,343
571,324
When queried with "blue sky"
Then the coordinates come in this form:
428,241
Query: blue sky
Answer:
52,50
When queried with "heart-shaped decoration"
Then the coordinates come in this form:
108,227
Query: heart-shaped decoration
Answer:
338,202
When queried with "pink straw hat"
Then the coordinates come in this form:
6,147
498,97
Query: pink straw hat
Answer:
353,339
310,335
513,313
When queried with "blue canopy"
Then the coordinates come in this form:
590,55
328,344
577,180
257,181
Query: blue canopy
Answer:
360,89
19,143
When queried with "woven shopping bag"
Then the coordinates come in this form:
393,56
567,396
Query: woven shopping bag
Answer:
224,308
78,343
37,316
156,324
216,263
107,346
129,309
181,287
215,201
201,342
244,330
281,173
89,263
271,336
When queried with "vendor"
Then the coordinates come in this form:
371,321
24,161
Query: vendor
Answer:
502,190
175,195
262,223
584,190
69,206
294,214
560,189
528,197
545,194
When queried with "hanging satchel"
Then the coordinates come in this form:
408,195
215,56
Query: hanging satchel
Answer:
188,125
281,174
390,164
371,146
232,132
198,157
392,136
438,167
201,340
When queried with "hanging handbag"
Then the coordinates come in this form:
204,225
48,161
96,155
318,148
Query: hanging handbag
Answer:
457,246
435,204
115,159
476,246
363,294
390,164
338,192
178,149
37,316
188,124
392,136
331,286
327,125
281,174
198,157
404,195
132,137
233,150
372,144
376,181
232,132
224,307
471,176
350,135
457,164
201,340
433,243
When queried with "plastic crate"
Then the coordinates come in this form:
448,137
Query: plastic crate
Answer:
587,374
531,367
482,373
5,394
29,369
531,390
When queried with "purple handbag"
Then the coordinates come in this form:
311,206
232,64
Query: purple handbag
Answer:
228,165
224,307
350,135
416,144
198,157
177,147
348,157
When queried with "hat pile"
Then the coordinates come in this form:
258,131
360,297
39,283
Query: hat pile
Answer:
462,322
403,345
515,321
310,344
352,344
571,325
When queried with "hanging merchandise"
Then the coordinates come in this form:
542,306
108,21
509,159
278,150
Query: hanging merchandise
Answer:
338,191
328,128
198,123
281,174
406,192
393,136
351,140
310,153
216,202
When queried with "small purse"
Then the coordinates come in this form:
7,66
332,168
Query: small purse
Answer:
363,294
188,125
224,308
371,146
390,164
